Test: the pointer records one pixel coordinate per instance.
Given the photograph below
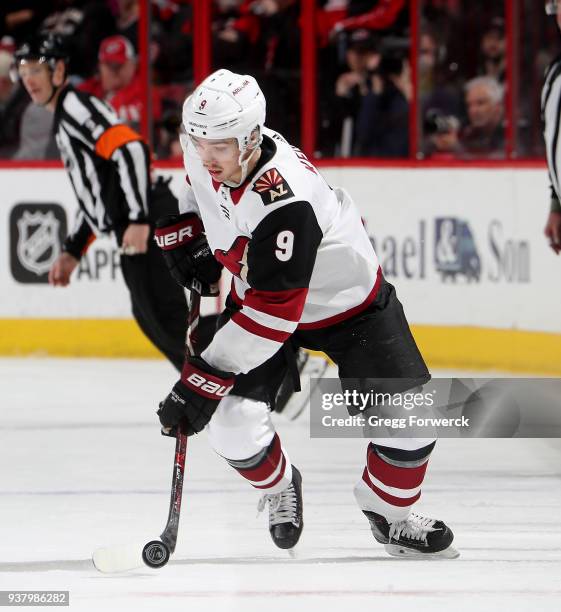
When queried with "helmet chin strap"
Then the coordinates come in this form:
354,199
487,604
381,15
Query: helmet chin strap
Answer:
244,163
54,87
53,93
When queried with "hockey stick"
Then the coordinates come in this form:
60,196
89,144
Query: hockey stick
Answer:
156,553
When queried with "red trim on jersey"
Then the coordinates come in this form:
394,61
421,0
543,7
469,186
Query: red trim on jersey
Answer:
343,316
267,466
236,193
390,499
287,304
260,330
232,259
215,184
394,476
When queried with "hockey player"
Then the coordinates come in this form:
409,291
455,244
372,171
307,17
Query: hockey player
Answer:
551,95
304,274
109,168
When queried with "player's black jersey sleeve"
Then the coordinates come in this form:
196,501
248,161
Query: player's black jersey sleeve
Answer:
277,263
283,248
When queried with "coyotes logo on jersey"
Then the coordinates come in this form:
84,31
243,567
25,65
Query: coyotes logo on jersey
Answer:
272,187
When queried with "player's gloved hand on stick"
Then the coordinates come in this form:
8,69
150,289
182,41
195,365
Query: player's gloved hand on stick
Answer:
194,397
187,253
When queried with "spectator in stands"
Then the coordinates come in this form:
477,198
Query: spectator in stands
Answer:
13,101
118,81
484,134
362,60
442,134
439,86
21,18
493,50
127,20
172,42
383,123
373,15
235,28
83,24
276,61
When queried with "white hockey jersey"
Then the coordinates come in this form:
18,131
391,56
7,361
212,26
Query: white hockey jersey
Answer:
297,249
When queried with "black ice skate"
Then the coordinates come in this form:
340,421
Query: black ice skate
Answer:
417,536
285,512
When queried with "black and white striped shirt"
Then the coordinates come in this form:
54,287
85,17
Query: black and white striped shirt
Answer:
551,115
108,165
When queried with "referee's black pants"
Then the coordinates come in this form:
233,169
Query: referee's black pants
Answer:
158,302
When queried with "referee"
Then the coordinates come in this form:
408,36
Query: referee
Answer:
109,167
551,114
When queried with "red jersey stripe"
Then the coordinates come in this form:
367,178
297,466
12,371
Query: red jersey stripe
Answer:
287,304
260,330
343,316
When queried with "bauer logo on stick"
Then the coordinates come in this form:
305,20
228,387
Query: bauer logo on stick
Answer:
272,187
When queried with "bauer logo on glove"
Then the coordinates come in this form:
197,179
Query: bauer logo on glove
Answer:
171,232
194,398
187,253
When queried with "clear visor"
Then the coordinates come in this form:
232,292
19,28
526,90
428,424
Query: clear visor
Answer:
551,7
211,150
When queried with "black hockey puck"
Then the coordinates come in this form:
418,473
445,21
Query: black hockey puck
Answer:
155,554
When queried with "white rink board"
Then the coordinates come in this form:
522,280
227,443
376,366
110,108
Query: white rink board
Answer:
504,211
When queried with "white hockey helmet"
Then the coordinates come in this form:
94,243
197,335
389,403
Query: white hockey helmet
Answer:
226,105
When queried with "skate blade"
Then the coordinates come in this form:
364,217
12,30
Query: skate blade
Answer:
293,552
395,550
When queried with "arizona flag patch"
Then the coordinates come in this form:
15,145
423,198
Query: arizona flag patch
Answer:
272,187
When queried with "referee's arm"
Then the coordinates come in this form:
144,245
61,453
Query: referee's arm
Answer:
552,229
95,123
80,237
125,147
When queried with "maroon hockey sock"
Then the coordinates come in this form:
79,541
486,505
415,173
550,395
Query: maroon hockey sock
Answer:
269,470
395,485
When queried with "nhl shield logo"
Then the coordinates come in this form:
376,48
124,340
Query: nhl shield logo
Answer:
272,187
38,245
36,232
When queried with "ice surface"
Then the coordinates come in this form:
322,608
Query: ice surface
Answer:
82,465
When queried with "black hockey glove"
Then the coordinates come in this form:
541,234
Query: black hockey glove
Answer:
187,253
194,398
